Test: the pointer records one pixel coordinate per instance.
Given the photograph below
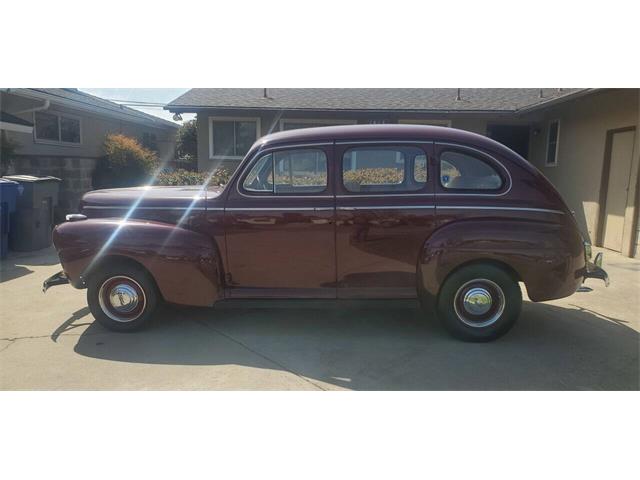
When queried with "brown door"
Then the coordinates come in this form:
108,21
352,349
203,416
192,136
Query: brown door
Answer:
620,153
384,212
280,236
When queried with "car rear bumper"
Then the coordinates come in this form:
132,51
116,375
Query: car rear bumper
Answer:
594,270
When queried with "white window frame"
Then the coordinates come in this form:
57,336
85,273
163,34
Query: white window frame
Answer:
58,114
321,121
546,144
441,122
230,119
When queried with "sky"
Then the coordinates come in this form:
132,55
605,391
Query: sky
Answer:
158,95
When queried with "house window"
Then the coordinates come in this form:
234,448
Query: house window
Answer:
232,137
299,171
552,143
461,171
150,141
384,169
58,128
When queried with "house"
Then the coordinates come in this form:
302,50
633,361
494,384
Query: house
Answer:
60,132
584,140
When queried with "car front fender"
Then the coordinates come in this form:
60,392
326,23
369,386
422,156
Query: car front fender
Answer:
184,264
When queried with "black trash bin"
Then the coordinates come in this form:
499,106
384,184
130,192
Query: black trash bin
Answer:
32,223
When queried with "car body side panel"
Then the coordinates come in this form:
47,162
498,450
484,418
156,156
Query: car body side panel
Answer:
184,264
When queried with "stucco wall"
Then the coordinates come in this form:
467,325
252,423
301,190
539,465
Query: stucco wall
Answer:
584,123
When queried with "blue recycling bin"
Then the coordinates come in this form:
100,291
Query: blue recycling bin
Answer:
8,197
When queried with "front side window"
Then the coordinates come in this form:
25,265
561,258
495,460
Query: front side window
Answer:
384,169
54,127
462,171
552,143
232,138
299,171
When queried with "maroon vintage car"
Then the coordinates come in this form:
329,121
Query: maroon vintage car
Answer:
384,211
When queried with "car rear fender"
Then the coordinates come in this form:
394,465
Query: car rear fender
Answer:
547,256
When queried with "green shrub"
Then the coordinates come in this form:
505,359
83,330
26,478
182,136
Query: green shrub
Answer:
126,163
187,177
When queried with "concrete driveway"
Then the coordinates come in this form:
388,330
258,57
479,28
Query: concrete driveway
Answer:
587,341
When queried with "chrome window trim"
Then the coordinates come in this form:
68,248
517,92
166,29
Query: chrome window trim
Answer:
242,174
481,152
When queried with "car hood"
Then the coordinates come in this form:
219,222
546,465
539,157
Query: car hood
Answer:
150,197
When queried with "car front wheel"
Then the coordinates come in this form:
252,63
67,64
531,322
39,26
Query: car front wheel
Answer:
122,297
479,302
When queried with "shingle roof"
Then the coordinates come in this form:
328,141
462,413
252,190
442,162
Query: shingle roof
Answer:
369,99
84,99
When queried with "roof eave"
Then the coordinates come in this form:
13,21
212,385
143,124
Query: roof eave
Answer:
557,100
78,105
197,109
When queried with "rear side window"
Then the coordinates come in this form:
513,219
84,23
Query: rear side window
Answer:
295,171
462,171
384,169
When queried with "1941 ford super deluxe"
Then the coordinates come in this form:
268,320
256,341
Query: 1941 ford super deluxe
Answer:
381,211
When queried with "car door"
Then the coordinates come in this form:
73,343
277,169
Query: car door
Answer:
384,212
279,225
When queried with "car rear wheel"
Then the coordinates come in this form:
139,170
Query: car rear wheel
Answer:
122,297
479,303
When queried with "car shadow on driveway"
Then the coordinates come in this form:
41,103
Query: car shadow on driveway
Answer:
384,345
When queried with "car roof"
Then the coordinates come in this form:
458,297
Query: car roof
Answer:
402,132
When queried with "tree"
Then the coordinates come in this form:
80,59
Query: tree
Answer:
8,148
187,143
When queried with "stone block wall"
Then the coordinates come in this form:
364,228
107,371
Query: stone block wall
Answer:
74,172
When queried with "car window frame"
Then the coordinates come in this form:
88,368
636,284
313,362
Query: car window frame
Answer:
498,167
423,146
326,192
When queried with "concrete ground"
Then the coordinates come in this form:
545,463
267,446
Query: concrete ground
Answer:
49,341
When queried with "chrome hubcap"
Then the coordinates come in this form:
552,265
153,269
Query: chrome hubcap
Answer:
123,298
479,303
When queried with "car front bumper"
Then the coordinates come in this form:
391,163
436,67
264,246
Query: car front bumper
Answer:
58,279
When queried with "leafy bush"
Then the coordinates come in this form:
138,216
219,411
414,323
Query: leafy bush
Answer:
126,163
186,177
374,176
